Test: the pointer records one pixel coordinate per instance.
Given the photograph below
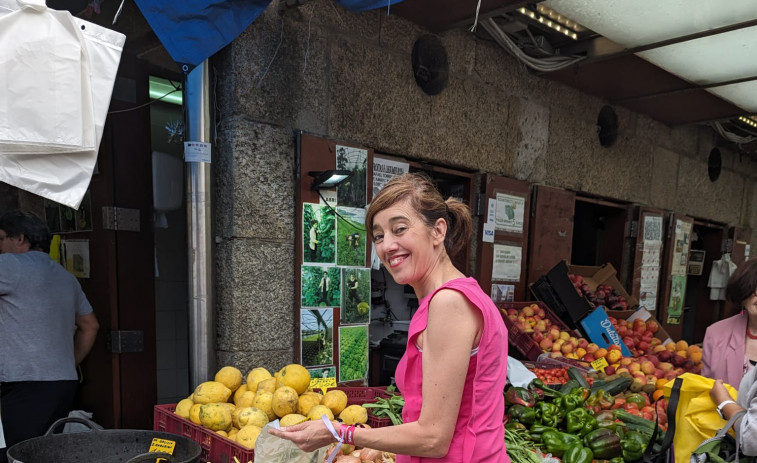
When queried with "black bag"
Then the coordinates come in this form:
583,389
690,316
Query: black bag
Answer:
663,453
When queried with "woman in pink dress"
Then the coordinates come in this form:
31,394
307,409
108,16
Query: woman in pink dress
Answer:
455,365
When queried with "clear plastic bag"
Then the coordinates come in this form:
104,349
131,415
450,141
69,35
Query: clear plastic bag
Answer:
272,449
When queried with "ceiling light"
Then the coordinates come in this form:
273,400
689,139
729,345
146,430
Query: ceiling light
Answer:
560,23
329,178
748,121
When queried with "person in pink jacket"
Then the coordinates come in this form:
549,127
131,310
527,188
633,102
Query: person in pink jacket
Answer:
455,366
729,349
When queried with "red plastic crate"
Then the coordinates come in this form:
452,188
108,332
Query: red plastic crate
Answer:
522,341
215,448
366,395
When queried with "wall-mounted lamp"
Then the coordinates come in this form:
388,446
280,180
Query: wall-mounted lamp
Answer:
323,180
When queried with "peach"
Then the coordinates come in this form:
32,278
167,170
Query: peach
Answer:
600,353
614,347
638,382
670,375
658,373
554,333
682,345
647,367
671,346
613,356
546,344
683,353
665,366
658,348
512,312
655,342
528,311
564,335
634,367
566,348
588,358
655,361
591,348
626,361
583,343
622,370
695,357
653,326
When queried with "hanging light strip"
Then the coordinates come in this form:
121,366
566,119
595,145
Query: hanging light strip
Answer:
748,121
562,28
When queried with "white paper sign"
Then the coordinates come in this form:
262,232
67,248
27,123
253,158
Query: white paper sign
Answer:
76,255
488,233
384,170
196,151
329,196
491,213
506,263
510,211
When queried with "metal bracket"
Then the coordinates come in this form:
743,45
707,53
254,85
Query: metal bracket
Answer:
121,342
120,219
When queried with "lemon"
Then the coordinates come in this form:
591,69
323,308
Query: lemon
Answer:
215,417
182,408
284,401
292,419
319,410
255,376
249,415
264,401
268,385
230,377
336,400
246,399
211,392
354,414
295,376
194,414
248,435
307,401
238,393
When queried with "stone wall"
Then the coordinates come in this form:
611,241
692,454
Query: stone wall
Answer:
347,76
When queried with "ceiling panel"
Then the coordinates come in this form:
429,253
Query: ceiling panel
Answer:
689,107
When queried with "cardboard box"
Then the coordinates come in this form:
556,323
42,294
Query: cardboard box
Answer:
599,329
603,274
631,315
557,291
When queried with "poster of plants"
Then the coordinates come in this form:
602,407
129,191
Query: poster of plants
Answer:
356,293
321,286
317,336
350,237
353,353
354,191
318,234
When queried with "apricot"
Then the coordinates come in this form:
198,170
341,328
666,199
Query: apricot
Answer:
682,345
600,353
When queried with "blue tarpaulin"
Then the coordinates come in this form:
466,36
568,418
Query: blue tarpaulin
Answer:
194,30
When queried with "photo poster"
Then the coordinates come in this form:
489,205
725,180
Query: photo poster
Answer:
503,293
384,170
696,262
650,262
318,234
317,336
353,353
62,219
356,296
680,248
677,292
506,264
509,213
350,236
323,378
75,255
320,286
354,191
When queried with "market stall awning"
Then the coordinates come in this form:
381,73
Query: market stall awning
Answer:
194,30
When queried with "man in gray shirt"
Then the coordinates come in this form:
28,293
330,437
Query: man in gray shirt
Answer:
47,327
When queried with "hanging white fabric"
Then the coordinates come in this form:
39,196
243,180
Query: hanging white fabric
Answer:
59,71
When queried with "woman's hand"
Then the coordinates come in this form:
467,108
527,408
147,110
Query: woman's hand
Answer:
719,393
308,436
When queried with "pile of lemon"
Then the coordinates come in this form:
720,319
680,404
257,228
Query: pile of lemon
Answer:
238,410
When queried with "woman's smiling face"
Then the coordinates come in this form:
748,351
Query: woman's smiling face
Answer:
404,243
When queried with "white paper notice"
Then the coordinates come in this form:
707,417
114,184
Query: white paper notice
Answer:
510,211
506,263
384,170
329,196
491,213
196,151
76,253
488,233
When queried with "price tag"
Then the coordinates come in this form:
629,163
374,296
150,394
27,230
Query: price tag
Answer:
599,364
322,383
162,445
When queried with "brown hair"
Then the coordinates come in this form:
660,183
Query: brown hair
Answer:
426,200
743,283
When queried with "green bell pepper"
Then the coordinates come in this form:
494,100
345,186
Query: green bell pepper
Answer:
580,421
632,446
568,402
604,443
515,426
581,392
577,453
606,419
557,443
522,414
547,414
537,430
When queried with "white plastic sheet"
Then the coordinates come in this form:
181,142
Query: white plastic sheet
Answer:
59,72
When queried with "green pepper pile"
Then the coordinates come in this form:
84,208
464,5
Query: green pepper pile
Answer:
565,424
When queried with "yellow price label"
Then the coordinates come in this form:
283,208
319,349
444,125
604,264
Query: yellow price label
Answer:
599,364
322,383
162,445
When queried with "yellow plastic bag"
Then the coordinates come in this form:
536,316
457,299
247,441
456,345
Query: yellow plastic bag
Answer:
696,417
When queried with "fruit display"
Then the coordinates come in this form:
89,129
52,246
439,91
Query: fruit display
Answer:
604,295
238,406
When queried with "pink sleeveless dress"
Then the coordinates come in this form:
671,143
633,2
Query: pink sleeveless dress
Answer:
479,434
